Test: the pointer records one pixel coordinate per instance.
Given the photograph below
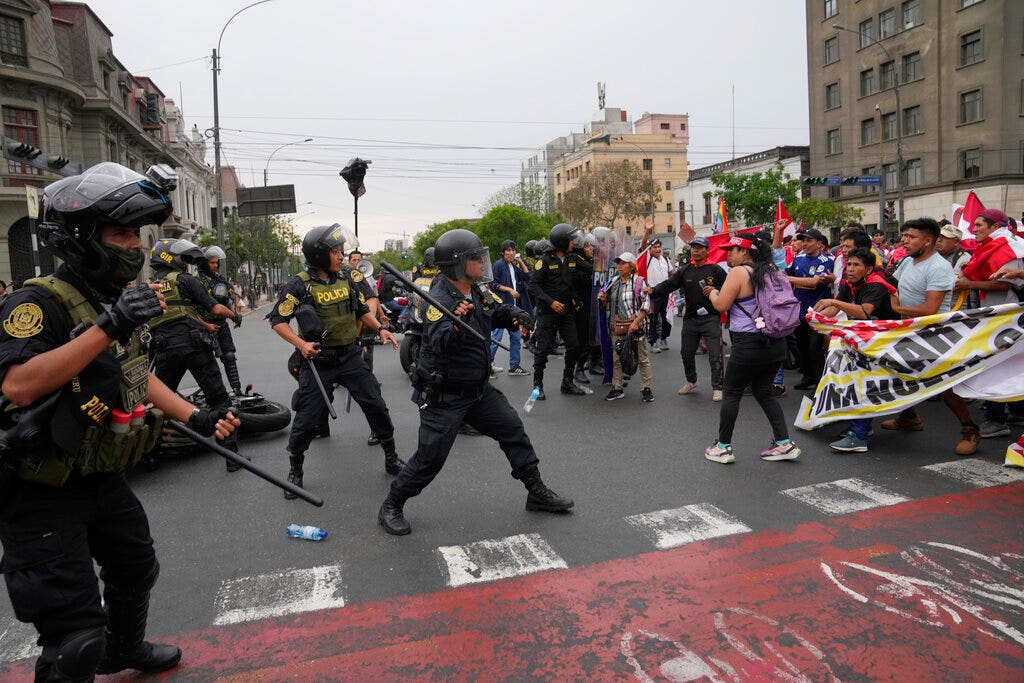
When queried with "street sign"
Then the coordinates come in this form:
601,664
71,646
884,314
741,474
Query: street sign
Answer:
833,180
266,201
869,180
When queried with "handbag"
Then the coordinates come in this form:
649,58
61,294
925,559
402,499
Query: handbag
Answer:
620,327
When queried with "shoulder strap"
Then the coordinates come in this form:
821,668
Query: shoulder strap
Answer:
74,302
750,273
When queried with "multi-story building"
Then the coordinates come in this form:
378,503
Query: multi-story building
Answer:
939,83
63,91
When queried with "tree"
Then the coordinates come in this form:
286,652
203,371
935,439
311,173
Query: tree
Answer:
531,197
509,223
427,238
609,193
823,213
753,197
398,259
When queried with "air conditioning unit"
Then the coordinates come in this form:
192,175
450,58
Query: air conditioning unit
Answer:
140,94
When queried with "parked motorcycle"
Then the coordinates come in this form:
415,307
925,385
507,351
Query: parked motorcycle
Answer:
257,414
409,349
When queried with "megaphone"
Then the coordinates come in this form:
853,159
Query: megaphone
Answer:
365,266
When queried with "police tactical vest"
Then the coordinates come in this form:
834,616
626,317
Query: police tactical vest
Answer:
177,307
217,288
100,449
333,304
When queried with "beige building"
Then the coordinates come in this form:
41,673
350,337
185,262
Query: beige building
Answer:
946,76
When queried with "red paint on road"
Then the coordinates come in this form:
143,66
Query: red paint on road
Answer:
923,591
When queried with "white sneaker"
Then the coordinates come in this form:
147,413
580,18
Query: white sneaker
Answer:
720,454
664,344
687,388
716,395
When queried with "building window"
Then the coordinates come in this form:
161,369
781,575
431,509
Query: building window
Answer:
831,96
648,164
682,126
664,126
668,184
888,126
587,167
911,67
911,13
970,48
707,210
21,125
912,120
889,171
970,163
868,132
558,179
914,177
968,3
831,50
864,189
970,106
668,208
12,41
886,24
668,162
834,191
867,82
832,142
867,32
830,8
887,75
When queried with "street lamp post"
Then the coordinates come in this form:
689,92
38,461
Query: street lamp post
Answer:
267,167
899,121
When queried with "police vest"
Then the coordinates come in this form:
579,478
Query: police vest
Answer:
333,304
217,288
98,448
177,307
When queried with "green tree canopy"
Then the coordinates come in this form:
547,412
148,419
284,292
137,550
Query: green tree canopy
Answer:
531,197
821,213
752,197
509,223
609,193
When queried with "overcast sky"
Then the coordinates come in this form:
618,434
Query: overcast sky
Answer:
447,98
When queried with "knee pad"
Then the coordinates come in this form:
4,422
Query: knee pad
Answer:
76,657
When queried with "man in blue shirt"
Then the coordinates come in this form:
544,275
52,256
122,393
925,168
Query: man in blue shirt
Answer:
811,276
510,278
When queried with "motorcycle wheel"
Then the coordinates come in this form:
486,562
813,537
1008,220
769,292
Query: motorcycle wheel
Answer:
409,353
268,416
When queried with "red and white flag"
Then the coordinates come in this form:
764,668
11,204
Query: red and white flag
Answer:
964,215
782,215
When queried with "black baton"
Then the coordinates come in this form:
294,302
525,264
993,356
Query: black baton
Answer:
459,322
320,384
211,443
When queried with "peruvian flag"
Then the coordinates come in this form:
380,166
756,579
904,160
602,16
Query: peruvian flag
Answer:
719,249
782,215
1001,247
963,216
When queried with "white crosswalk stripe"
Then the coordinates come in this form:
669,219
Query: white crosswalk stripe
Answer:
977,472
495,559
272,595
673,528
17,641
844,496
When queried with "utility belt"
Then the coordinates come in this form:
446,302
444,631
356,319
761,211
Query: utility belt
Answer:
433,388
332,354
101,450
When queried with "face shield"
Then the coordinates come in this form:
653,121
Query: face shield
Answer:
476,265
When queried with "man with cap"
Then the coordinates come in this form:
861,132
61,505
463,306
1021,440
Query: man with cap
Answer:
948,245
811,276
701,320
655,267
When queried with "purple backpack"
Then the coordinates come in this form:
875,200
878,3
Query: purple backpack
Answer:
778,312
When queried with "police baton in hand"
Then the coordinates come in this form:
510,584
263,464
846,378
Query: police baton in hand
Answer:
320,385
459,322
211,443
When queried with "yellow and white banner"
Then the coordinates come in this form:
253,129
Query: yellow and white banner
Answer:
878,367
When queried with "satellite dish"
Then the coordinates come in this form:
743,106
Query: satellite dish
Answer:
365,266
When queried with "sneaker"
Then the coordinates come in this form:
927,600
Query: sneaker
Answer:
970,437
517,371
655,348
719,453
647,395
716,395
849,444
664,344
493,372
779,390
615,395
903,424
846,432
687,388
777,452
989,429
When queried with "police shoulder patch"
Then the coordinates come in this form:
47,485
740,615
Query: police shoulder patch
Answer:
538,265
496,297
286,307
26,320
356,275
433,315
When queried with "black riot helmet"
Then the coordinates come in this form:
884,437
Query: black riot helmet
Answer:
530,248
428,257
562,236
544,247
319,242
175,254
77,208
457,247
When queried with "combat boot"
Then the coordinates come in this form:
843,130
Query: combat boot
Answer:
541,498
294,473
392,463
392,518
231,370
126,628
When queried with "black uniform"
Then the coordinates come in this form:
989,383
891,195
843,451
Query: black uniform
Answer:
452,388
553,280
53,533
214,284
338,302
585,331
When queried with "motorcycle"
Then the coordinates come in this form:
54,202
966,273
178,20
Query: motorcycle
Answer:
409,349
257,414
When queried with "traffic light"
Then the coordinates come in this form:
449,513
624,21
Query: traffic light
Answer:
21,151
851,180
815,180
890,213
30,155
354,174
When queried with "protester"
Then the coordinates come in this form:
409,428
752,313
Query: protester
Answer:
852,237
655,267
881,248
628,307
755,356
811,276
925,288
510,278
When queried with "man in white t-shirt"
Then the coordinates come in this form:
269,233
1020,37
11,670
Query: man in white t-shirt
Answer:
658,269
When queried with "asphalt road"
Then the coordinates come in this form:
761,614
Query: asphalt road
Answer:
620,461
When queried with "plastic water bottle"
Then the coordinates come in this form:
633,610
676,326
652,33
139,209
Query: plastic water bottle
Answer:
532,400
310,533
586,390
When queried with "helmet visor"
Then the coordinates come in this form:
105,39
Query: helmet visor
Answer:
477,265
81,192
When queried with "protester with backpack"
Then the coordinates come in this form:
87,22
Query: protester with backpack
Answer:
762,312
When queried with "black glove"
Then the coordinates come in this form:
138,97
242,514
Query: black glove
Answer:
135,307
523,318
237,319
204,420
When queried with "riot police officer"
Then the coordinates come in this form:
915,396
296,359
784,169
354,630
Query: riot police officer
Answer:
219,288
552,288
367,289
586,297
73,361
180,340
452,384
326,303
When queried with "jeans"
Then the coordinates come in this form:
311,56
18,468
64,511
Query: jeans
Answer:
860,428
514,345
746,368
999,412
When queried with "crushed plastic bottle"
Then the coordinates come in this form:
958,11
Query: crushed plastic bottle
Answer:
586,390
532,400
310,533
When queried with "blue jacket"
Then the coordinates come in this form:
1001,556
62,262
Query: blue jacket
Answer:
503,278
